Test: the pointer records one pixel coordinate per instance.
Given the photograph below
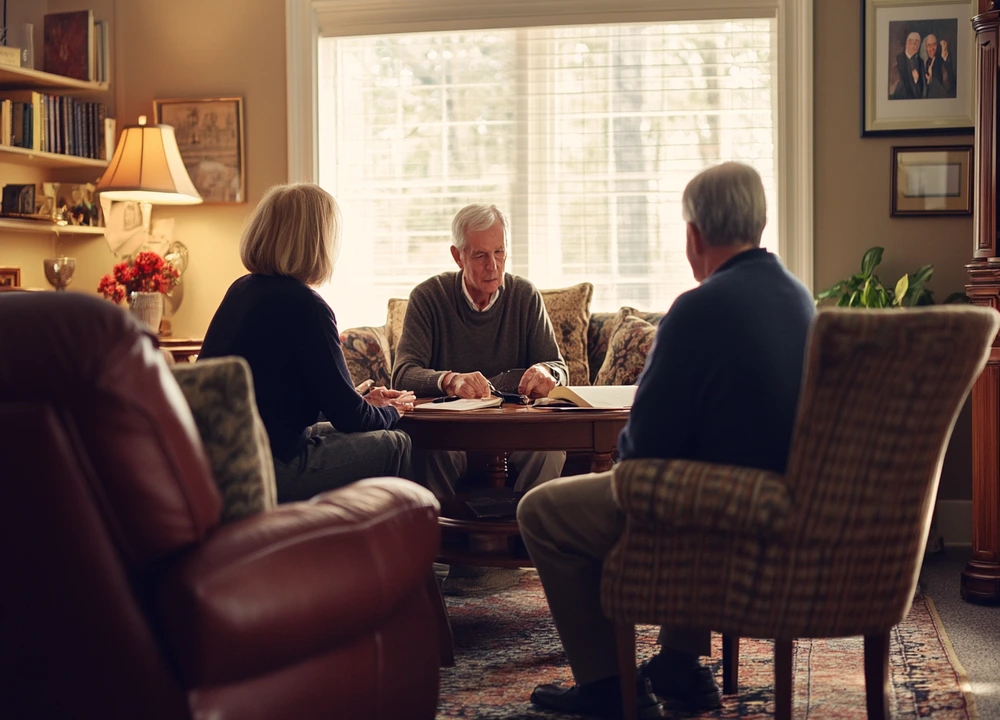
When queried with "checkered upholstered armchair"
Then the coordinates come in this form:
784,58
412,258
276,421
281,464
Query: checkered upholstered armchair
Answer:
833,547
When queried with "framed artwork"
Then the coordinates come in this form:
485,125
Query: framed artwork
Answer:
209,135
918,67
932,180
10,277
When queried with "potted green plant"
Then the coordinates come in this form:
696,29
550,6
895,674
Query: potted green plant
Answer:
865,289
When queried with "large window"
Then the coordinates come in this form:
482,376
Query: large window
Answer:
585,135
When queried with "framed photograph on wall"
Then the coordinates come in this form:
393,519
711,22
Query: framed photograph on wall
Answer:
210,136
932,180
10,277
918,67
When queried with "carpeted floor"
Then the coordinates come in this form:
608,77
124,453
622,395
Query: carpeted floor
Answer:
974,629
506,644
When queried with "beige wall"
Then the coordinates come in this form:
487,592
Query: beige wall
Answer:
194,48
222,48
852,200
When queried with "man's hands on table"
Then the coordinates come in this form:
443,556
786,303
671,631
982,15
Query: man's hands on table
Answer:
466,385
535,382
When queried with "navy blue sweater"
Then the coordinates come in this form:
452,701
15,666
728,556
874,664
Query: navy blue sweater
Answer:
288,335
722,380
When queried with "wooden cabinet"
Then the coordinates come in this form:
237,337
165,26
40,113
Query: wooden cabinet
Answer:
181,349
981,576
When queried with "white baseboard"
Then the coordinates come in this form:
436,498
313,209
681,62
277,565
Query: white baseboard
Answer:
954,521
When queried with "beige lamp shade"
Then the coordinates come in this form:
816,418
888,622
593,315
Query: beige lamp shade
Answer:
147,167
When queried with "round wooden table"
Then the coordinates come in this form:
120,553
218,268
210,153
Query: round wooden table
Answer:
468,540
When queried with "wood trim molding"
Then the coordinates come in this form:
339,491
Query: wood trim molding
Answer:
369,17
795,151
981,575
984,219
301,33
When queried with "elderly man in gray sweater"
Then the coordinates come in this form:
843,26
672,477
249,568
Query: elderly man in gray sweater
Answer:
464,327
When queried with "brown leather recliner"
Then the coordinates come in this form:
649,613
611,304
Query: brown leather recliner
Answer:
123,597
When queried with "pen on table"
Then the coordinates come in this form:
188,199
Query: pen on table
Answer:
446,398
364,387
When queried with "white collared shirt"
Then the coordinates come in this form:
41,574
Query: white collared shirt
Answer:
472,303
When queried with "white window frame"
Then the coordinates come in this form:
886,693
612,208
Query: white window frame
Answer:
308,20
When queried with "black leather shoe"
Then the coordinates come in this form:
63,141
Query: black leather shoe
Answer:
682,681
602,699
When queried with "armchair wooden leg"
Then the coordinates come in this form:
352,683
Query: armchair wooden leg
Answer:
877,676
445,636
730,664
783,679
625,635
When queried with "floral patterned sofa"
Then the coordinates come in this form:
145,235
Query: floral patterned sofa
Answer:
604,348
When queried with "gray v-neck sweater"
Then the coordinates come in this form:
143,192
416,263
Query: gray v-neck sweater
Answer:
442,333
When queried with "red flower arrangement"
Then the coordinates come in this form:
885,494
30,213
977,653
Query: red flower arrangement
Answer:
147,272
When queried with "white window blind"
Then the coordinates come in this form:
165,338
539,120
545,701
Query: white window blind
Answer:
584,135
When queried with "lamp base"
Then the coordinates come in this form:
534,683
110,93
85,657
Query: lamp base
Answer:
147,212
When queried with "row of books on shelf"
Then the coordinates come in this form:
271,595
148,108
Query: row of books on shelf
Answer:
56,124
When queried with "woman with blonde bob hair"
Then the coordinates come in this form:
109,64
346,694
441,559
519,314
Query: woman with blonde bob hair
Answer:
288,334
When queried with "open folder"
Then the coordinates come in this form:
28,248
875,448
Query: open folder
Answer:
594,397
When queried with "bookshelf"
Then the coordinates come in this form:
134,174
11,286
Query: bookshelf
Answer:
38,226
39,163
13,78
46,160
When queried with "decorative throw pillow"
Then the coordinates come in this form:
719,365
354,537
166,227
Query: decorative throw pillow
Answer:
602,325
220,394
569,311
396,313
630,343
366,352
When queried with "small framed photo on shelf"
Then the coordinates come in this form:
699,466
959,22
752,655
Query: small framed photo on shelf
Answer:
10,277
932,180
918,67
210,136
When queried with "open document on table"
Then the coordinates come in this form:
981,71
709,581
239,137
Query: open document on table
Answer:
453,403
590,397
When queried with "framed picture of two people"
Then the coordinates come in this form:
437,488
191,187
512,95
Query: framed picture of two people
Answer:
918,67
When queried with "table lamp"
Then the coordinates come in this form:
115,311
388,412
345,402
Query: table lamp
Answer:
147,168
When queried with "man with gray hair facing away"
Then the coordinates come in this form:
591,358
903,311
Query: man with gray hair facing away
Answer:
462,328
721,385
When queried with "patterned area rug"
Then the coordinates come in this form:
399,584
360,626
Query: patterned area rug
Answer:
505,644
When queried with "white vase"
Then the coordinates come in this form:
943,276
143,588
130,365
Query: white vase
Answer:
147,307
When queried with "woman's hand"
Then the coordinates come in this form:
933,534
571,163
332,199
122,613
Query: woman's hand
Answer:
382,396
